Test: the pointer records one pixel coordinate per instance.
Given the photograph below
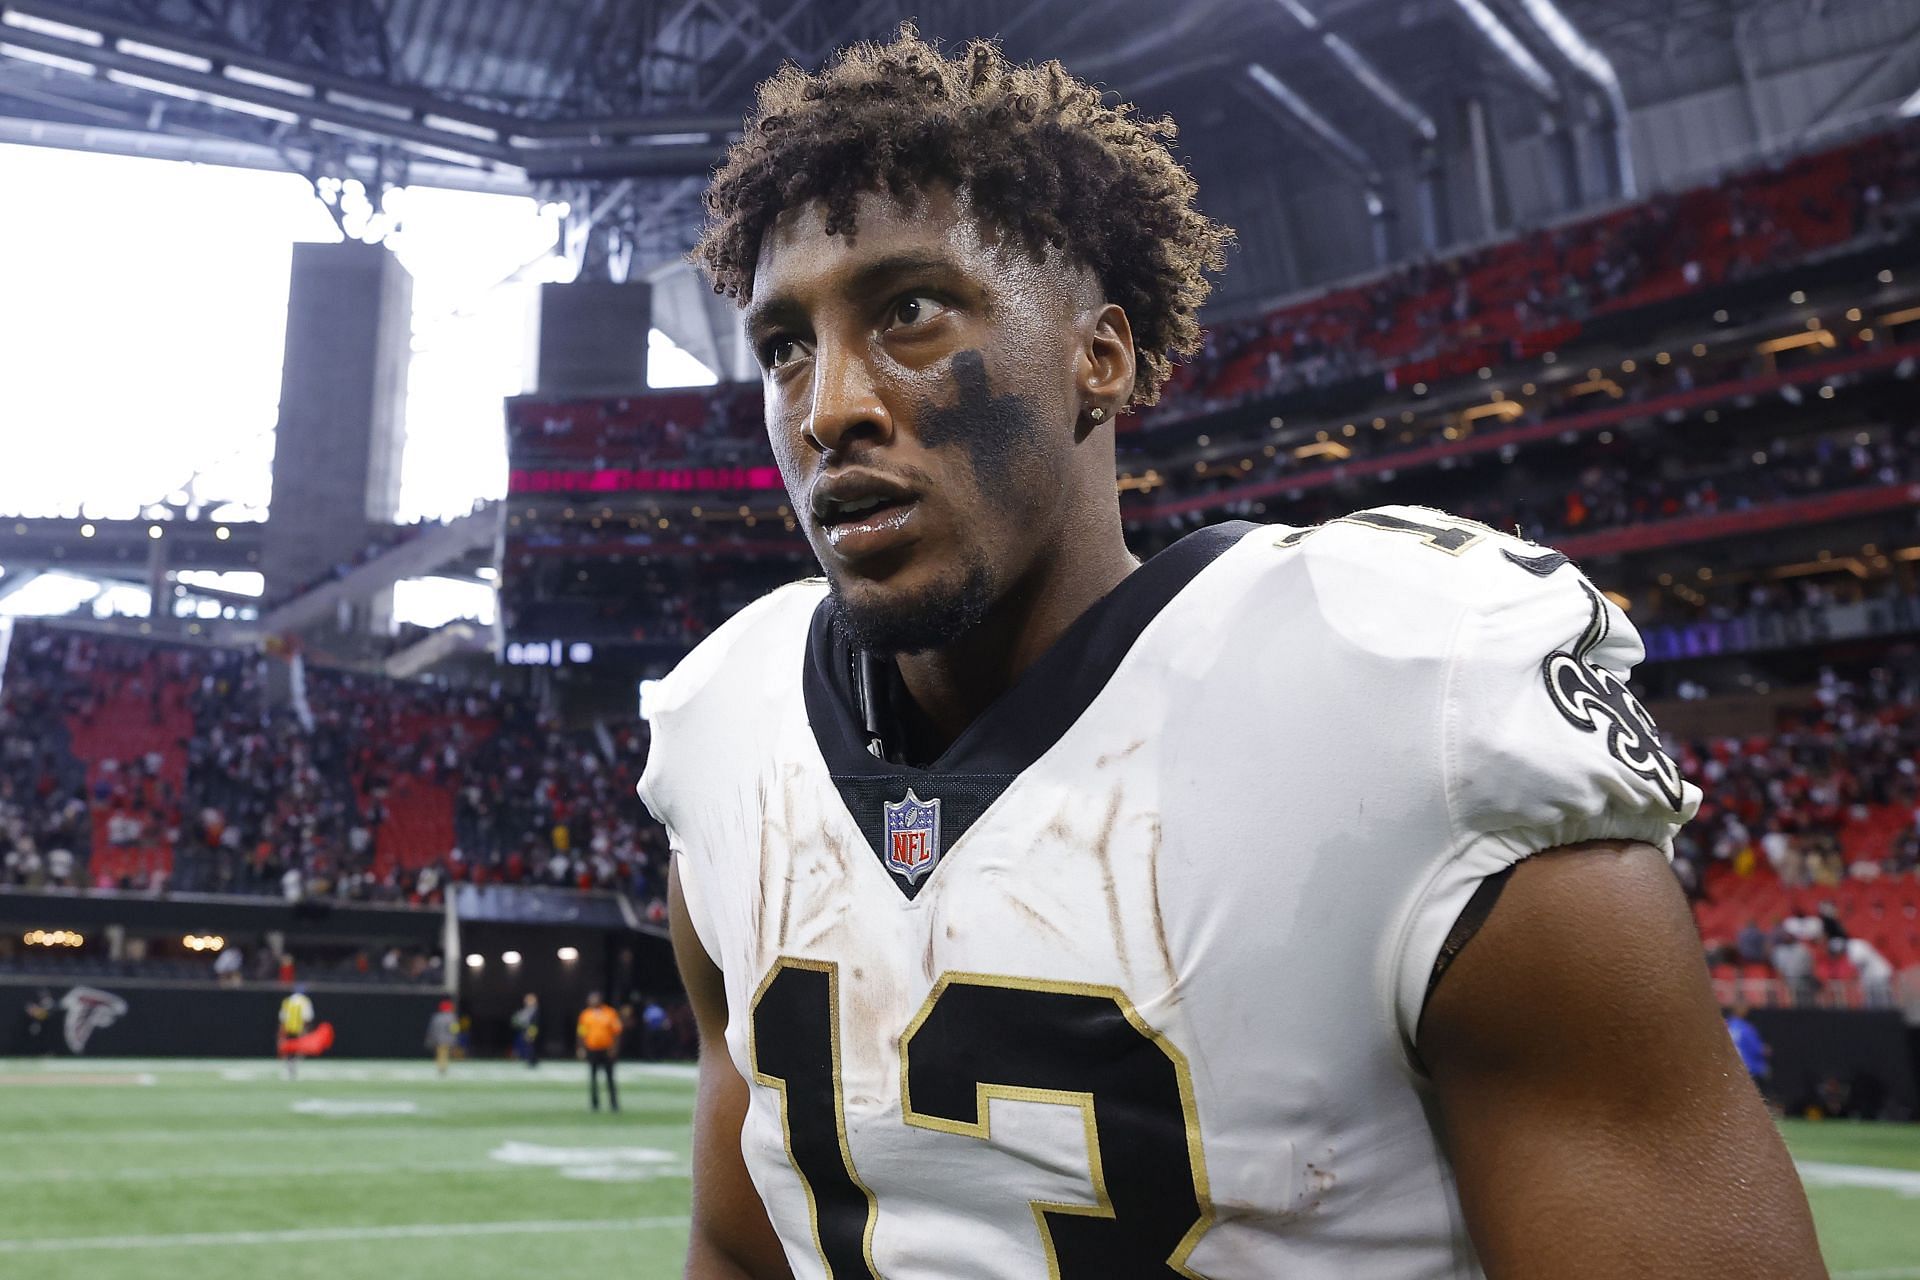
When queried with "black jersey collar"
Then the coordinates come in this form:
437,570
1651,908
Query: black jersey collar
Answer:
911,815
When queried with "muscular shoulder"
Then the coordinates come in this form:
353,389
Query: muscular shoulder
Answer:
1400,581
710,703
765,639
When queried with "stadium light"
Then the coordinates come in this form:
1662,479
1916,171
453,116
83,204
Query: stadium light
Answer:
86,531
569,954
223,533
154,531
475,960
510,957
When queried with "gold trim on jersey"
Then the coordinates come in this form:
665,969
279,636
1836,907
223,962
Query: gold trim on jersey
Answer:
985,1092
832,970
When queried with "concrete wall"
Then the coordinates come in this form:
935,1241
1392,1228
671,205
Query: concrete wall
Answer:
336,463
593,338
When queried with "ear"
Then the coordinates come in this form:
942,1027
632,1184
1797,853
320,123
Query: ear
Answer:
1106,365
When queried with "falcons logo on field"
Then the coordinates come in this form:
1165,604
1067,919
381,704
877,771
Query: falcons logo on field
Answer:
1589,696
87,1011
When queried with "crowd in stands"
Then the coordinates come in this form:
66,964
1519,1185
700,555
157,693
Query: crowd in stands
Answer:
1804,861
146,767
1427,320
234,964
535,806
1609,481
721,427
670,602
1523,296
44,821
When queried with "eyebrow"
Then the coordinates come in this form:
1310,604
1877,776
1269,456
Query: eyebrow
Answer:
867,278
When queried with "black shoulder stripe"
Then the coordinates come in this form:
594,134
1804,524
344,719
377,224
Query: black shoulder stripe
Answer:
1467,924
1538,566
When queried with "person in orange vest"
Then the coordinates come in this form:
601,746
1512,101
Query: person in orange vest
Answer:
599,1043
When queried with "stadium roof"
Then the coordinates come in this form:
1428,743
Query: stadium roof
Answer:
621,106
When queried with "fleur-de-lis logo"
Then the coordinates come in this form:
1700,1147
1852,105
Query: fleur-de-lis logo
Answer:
1591,697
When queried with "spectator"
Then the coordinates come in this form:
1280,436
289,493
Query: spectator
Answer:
1876,972
443,1033
1794,963
227,965
38,1016
296,1016
598,1033
1754,1052
526,1029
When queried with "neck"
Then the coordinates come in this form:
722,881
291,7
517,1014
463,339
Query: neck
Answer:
952,685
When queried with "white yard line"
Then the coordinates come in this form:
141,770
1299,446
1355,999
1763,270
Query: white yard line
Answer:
489,1071
191,1173
1906,1182
331,1235
298,1131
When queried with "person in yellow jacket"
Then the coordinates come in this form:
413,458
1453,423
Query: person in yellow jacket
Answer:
599,1043
296,1015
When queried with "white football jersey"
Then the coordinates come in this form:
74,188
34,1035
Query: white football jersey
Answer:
1126,984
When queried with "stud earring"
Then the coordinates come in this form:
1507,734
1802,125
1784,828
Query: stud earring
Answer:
1096,413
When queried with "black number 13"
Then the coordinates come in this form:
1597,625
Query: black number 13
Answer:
976,1038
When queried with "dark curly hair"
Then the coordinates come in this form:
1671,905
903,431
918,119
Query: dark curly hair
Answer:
1038,152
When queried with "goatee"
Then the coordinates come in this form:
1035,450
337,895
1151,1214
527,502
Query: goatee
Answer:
932,619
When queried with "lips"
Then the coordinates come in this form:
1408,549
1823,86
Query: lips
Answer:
863,513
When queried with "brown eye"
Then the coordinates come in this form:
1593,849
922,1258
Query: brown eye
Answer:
779,351
915,309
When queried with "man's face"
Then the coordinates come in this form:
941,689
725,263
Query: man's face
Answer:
920,398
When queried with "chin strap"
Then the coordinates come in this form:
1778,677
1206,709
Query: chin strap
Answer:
864,683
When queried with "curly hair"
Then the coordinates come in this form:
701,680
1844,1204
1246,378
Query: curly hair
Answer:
1040,155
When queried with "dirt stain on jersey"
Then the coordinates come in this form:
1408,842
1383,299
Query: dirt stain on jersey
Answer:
766,857
1036,919
786,904
756,892
1103,854
1320,1180
1159,916
1115,757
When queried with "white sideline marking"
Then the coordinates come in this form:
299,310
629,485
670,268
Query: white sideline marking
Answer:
339,1107
385,1133
593,1164
1904,1182
176,1173
326,1235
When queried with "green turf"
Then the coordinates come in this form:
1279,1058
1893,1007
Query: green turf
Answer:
1872,1233
217,1149
203,1171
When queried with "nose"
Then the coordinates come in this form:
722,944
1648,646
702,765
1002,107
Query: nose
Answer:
846,403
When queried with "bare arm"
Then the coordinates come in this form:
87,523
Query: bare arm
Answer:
731,1237
1598,1119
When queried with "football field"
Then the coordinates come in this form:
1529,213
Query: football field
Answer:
112,1170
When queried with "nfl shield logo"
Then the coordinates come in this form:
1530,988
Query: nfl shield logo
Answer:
913,836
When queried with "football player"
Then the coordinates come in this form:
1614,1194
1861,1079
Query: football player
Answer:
1293,904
